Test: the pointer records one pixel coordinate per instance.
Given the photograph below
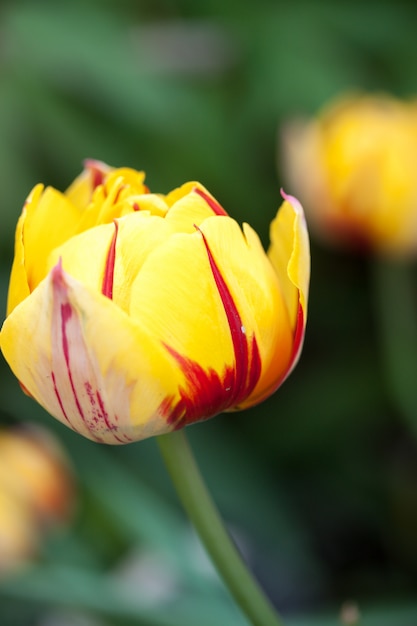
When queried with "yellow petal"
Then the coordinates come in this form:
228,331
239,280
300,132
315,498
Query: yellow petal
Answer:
18,286
255,288
121,192
132,180
88,364
225,311
84,256
89,258
49,219
175,297
151,202
289,253
189,205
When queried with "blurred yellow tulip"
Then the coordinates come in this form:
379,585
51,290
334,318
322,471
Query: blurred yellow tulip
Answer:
354,168
132,314
36,492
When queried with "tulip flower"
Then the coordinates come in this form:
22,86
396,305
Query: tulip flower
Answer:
36,492
132,314
354,168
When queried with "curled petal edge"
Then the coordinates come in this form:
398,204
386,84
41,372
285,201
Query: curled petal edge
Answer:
289,253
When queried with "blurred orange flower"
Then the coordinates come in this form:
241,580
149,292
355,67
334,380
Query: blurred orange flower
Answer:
36,491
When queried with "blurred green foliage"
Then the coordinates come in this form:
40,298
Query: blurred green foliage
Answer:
318,483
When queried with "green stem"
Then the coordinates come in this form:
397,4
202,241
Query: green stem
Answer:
203,513
395,296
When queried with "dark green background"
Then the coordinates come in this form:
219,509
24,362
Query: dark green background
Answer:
319,484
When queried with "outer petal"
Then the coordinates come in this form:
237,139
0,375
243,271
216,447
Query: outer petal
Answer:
18,286
176,298
88,363
289,253
225,311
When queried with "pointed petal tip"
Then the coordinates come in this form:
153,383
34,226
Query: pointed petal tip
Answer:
97,170
34,194
60,280
96,165
213,204
57,272
295,203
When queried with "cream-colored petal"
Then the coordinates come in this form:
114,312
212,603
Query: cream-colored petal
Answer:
89,364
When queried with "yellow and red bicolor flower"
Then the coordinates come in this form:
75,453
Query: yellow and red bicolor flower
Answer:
132,314
354,168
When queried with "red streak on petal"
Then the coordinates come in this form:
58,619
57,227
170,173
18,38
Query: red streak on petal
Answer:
206,392
237,330
255,368
107,286
97,174
136,206
105,416
111,426
205,395
214,206
58,397
299,333
66,313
